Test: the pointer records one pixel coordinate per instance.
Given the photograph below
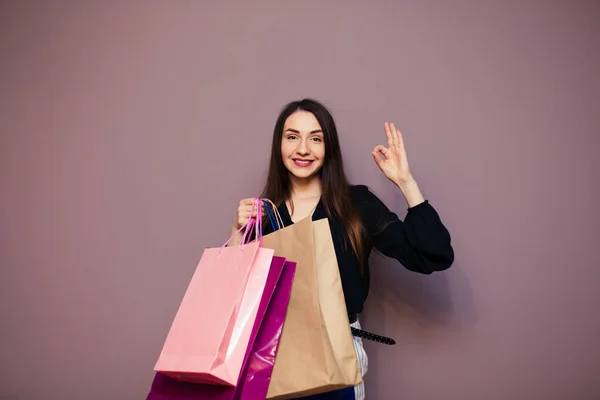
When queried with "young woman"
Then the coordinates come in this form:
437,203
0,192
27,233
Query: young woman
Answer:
306,178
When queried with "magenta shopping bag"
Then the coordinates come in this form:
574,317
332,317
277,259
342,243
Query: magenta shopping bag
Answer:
257,373
258,364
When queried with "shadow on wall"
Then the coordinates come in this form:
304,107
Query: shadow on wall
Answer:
400,297
418,311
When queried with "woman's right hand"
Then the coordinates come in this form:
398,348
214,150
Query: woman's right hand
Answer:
246,209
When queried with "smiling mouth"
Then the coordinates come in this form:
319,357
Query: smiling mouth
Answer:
302,163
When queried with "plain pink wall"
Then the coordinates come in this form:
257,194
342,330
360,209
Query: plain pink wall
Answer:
129,131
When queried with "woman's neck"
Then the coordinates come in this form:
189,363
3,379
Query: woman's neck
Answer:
306,188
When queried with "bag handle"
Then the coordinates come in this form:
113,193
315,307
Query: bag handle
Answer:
252,221
257,222
272,220
276,212
273,214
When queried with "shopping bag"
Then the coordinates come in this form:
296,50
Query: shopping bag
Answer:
210,334
316,353
257,374
254,380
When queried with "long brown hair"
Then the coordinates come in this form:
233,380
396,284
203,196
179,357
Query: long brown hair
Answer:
335,186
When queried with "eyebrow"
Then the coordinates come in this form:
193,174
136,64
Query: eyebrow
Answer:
297,131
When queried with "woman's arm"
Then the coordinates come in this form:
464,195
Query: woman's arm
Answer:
421,243
237,239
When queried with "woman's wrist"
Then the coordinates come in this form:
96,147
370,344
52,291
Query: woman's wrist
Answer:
411,192
236,235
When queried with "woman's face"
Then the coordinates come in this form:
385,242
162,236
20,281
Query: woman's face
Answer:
302,145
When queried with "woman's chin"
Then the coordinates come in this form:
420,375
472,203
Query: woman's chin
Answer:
304,175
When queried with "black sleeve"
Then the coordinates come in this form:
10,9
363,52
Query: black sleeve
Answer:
421,242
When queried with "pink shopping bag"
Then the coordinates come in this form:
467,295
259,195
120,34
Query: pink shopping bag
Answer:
256,375
211,332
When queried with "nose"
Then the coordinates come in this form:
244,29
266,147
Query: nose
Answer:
303,149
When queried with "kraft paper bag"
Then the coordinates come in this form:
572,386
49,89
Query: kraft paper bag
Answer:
210,334
316,353
254,380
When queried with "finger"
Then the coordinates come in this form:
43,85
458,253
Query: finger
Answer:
398,135
247,202
401,143
394,133
388,133
251,207
378,160
246,209
250,204
260,204
385,152
254,210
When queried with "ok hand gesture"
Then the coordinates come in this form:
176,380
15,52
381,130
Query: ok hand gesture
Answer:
394,163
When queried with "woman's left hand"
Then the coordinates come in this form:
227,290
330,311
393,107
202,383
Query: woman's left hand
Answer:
394,163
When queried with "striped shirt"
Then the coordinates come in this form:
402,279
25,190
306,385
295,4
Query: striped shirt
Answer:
363,362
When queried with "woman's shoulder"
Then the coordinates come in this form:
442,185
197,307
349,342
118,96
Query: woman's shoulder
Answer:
358,189
361,193
363,198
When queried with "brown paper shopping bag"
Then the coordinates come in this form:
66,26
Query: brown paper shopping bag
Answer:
316,353
333,307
